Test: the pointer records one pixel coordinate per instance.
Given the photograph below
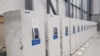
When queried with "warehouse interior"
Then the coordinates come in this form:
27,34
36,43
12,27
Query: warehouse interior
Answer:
49,27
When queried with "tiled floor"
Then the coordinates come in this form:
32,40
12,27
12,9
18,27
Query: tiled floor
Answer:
94,48
91,48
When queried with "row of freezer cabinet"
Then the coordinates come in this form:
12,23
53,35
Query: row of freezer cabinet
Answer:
31,34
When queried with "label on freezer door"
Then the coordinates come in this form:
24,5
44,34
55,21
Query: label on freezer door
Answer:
35,32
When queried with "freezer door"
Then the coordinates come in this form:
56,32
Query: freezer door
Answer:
73,34
53,32
65,39
33,33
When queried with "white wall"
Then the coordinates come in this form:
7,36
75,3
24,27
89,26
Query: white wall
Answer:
10,5
39,6
96,6
96,10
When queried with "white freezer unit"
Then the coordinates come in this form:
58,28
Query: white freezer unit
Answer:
86,38
84,31
25,34
73,34
53,35
94,28
65,38
81,32
77,33
89,30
